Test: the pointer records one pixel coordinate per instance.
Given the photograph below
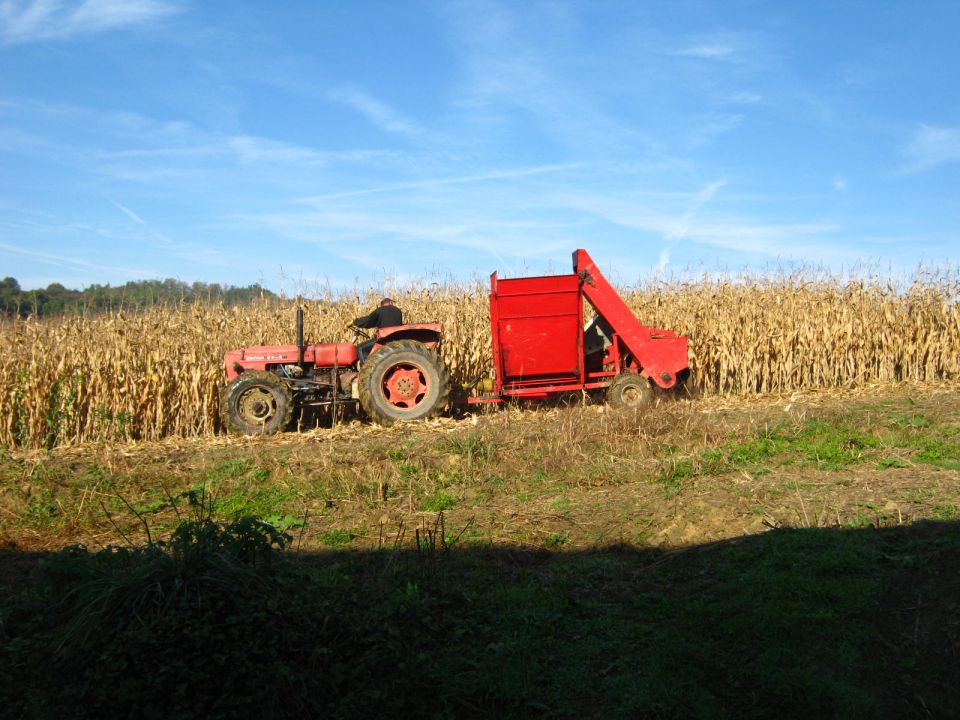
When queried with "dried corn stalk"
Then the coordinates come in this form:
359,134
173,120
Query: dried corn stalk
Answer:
156,373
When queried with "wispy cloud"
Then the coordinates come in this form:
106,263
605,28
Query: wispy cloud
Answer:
772,239
712,127
707,52
192,152
332,228
681,229
64,261
376,111
255,149
107,125
716,228
427,227
745,98
128,212
131,146
732,49
141,222
246,149
31,20
932,146
439,182
518,77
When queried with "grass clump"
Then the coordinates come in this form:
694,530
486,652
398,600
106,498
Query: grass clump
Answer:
156,628
439,501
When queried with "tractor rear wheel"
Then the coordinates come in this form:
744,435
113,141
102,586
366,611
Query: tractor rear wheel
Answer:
630,391
403,380
257,403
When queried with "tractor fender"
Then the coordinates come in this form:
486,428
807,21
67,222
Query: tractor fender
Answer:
428,334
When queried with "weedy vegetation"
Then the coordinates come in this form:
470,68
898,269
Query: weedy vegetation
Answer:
221,622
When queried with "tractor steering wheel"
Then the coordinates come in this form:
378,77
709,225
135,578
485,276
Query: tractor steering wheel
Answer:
358,333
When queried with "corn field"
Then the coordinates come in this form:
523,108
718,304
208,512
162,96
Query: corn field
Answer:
156,373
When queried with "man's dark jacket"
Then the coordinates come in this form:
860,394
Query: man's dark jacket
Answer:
383,316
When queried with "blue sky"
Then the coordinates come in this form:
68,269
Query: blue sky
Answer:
303,144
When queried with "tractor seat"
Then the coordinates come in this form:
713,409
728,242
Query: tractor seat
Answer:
341,354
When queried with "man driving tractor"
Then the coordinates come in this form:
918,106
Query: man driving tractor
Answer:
385,315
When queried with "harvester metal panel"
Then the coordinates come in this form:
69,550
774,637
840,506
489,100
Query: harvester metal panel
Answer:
660,353
537,329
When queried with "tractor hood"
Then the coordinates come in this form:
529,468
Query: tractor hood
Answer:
262,357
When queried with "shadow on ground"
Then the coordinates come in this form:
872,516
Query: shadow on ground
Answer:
790,623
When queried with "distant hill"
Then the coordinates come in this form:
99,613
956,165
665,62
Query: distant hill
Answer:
57,299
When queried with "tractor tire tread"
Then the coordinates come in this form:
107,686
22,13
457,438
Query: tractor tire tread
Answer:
622,382
380,360
251,377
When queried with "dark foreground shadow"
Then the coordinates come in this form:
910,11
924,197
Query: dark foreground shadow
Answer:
791,623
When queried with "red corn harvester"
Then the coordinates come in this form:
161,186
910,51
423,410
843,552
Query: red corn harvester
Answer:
541,345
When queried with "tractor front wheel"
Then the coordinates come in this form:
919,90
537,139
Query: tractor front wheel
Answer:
403,380
257,403
629,390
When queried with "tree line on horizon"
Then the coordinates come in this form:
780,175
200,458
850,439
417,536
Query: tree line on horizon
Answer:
56,299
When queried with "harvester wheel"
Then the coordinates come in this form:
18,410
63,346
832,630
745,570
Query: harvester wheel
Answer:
257,403
629,390
403,380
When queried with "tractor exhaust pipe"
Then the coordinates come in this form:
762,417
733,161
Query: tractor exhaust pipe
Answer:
300,335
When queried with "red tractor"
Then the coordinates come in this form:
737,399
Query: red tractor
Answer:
402,379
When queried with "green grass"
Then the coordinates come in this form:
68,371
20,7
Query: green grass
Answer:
44,508
946,512
892,462
832,442
940,451
556,540
472,446
253,500
335,538
438,502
